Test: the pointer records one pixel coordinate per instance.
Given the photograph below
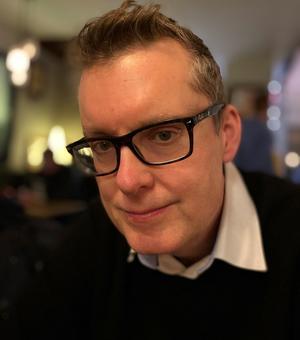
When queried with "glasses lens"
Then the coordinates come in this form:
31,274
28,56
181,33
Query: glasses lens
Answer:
97,157
163,143
156,145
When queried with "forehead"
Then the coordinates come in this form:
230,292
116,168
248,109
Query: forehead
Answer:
146,85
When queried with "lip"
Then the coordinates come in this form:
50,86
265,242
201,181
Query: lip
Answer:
145,215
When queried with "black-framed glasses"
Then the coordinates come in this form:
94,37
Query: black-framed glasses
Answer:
156,144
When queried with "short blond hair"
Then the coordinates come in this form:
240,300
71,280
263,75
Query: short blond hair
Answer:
131,26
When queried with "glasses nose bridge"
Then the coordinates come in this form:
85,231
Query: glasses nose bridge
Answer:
125,141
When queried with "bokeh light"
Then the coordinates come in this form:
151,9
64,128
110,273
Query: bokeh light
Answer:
274,124
292,160
274,87
17,60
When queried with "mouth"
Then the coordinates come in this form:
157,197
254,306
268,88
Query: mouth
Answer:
146,215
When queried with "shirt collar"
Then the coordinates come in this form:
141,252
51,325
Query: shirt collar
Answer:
238,241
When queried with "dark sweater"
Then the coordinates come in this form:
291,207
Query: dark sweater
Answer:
91,292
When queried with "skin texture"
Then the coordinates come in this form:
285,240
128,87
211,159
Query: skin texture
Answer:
170,209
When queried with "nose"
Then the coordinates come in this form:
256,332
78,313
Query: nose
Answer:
133,176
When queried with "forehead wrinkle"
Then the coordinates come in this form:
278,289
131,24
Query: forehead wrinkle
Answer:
94,132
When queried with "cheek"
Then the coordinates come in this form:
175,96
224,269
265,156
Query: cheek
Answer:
202,196
198,183
201,175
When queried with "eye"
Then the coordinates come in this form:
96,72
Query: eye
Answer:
102,146
164,136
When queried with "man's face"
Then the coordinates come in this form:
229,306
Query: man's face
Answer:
171,208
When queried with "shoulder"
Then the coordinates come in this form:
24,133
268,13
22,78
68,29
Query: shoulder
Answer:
277,202
270,192
94,230
64,292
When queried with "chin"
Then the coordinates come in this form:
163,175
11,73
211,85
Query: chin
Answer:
146,244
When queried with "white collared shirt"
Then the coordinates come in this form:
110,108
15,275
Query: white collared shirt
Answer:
238,241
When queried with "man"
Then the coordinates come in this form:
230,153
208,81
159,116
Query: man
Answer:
184,247
255,151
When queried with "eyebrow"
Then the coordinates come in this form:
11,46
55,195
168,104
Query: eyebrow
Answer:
95,133
157,120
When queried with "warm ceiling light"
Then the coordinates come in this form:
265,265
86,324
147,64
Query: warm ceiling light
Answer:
17,60
19,78
32,48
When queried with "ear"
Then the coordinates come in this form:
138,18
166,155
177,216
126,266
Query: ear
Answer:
231,132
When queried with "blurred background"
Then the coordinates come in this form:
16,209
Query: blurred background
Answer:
257,45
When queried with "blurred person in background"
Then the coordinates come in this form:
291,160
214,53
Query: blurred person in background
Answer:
256,148
58,182
55,178
181,244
